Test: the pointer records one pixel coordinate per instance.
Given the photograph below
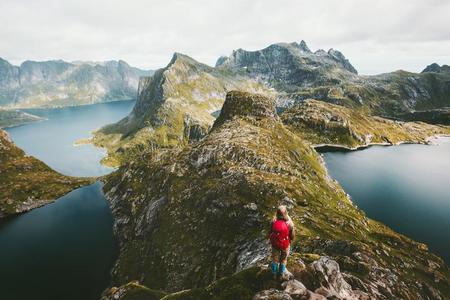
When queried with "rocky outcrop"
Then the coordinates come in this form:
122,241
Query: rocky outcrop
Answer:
27,183
320,279
255,283
238,105
435,68
59,83
187,217
326,124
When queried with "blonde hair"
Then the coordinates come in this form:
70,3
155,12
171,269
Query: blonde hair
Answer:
282,213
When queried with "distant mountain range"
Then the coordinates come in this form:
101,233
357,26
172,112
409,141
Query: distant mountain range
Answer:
179,103
59,83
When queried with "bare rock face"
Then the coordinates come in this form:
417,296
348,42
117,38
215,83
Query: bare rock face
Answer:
290,64
435,68
241,104
272,294
325,282
59,83
332,282
295,289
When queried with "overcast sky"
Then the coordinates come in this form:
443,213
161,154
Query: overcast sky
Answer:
376,36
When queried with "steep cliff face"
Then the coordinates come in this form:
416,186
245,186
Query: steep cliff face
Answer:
26,182
59,83
186,217
176,105
290,66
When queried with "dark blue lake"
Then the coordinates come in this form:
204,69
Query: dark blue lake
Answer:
406,187
64,250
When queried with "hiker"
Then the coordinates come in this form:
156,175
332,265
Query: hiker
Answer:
281,235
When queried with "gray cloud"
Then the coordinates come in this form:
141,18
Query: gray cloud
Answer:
377,36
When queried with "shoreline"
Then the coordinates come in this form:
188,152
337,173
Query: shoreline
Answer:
343,148
22,124
339,147
64,106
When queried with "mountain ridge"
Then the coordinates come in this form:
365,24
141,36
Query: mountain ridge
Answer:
176,105
290,72
59,83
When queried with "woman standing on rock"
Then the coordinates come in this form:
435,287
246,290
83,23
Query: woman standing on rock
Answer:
282,233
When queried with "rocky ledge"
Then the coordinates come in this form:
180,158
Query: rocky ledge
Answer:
320,279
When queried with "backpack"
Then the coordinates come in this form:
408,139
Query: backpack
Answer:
279,237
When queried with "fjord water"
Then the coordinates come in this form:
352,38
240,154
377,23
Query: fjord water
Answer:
64,250
407,187
52,140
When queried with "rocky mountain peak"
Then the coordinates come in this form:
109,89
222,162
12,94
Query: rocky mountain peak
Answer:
4,62
302,46
338,56
240,104
435,68
181,57
221,60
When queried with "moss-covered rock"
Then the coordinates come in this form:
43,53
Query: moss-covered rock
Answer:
324,123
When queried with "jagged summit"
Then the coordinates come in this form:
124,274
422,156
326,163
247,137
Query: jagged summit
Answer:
246,104
288,66
183,57
221,60
304,47
435,68
339,57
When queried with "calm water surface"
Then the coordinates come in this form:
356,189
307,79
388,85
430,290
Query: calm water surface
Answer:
52,140
407,187
64,250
